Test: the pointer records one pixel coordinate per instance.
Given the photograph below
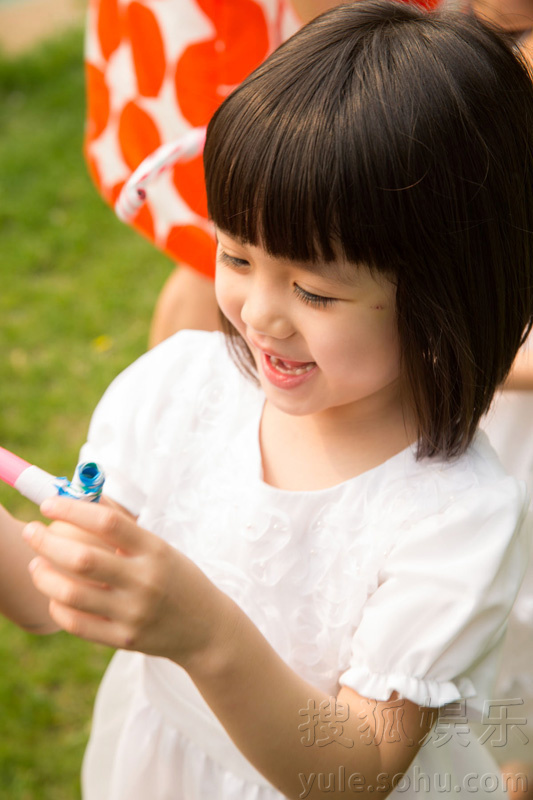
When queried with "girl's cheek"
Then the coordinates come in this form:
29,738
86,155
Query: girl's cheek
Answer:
229,300
221,291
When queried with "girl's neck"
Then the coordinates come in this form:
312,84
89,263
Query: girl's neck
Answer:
310,453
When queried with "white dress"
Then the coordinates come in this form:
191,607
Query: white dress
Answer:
398,579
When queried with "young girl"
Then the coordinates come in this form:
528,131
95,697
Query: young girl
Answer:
314,551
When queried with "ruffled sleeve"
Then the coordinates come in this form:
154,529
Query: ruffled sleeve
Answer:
432,629
123,435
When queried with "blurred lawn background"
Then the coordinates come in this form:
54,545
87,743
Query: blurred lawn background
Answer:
77,293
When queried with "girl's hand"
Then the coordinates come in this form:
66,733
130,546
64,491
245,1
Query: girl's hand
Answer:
112,582
19,601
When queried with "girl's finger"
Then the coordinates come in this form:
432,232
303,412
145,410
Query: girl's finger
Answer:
89,627
106,522
75,594
77,534
77,557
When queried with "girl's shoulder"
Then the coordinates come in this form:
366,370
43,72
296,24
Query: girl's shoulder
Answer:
156,408
423,498
187,380
477,470
192,353
187,366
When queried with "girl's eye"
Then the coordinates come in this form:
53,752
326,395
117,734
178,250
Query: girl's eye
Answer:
316,300
231,261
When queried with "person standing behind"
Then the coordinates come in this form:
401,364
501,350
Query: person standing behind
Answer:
509,425
154,70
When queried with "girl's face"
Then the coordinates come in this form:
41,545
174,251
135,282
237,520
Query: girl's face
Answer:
323,336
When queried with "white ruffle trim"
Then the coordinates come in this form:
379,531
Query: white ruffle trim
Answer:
418,690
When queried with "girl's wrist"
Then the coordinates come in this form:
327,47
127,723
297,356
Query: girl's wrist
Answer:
214,659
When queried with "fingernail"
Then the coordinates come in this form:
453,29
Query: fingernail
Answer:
33,563
29,530
48,505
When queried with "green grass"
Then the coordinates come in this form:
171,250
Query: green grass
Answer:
76,297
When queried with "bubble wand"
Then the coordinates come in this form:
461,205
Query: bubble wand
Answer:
36,484
133,193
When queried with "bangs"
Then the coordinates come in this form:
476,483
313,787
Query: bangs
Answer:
274,186
289,169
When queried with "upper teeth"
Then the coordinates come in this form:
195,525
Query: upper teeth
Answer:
282,367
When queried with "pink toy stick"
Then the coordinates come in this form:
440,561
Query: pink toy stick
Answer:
11,466
133,193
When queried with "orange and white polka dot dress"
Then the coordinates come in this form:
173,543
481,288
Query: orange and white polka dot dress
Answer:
154,70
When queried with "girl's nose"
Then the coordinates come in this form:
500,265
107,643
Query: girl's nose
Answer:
264,313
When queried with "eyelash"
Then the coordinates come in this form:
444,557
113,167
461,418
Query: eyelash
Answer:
315,300
231,261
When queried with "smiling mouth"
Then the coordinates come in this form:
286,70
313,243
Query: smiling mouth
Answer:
290,367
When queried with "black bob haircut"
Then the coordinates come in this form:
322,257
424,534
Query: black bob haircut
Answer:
401,139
